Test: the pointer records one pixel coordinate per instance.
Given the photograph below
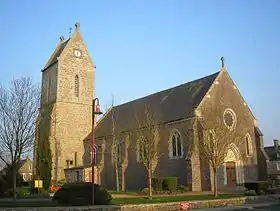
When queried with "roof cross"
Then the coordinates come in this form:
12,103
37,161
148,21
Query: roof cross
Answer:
223,62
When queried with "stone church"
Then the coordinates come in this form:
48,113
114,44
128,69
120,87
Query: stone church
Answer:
183,113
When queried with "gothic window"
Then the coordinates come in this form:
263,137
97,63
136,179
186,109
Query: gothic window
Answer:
229,119
248,145
175,144
98,154
77,86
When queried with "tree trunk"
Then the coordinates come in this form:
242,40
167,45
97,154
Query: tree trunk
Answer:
117,177
123,179
150,182
215,181
14,175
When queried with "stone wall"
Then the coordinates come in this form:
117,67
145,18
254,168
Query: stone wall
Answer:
49,84
174,206
71,175
273,167
225,95
134,174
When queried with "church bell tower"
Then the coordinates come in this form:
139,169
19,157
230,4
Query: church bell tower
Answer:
66,104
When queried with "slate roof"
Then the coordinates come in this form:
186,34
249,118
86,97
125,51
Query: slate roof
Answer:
173,104
56,54
270,151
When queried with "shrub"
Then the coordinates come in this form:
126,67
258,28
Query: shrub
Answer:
80,194
25,184
165,183
61,182
44,192
24,191
157,184
44,170
145,190
170,183
250,193
182,188
257,186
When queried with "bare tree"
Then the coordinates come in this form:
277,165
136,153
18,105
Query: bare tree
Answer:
18,112
115,155
218,139
148,142
118,153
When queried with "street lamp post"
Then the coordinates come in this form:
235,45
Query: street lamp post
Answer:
95,110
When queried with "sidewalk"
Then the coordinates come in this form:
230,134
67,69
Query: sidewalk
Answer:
247,207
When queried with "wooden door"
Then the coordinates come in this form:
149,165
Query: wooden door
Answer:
231,173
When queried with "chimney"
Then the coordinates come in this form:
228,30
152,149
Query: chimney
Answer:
276,143
277,149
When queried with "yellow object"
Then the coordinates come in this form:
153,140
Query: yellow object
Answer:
38,183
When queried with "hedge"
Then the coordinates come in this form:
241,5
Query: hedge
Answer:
80,194
257,186
165,183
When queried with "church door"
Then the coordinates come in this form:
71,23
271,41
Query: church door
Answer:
231,173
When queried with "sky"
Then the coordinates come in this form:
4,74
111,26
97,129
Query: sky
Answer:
144,46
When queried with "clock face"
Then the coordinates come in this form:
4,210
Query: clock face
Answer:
77,53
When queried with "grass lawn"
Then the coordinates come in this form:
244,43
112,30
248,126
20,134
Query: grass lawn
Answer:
163,199
117,201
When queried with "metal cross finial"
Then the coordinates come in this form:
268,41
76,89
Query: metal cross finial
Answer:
223,62
70,30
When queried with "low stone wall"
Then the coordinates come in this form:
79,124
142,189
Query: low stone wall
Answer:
174,206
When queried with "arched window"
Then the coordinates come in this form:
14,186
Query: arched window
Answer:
77,86
248,144
175,146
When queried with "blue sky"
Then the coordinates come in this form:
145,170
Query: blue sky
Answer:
144,46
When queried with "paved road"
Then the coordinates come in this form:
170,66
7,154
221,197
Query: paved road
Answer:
252,207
